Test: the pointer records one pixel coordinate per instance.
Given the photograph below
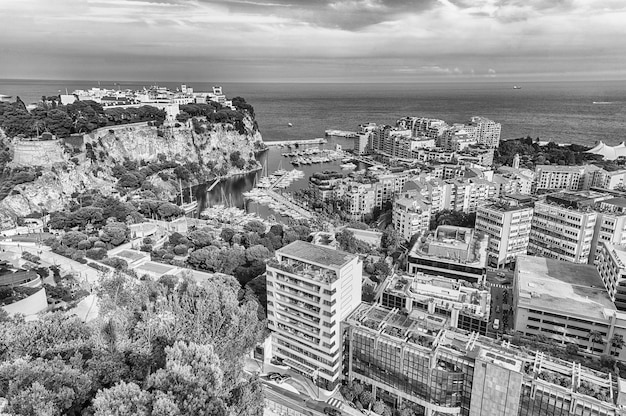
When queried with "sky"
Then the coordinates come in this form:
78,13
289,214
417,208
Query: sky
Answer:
313,41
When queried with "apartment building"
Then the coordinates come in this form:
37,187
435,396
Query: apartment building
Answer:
414,361
310,290
559,177
484,131
359,198
563,226
410,216
610,224
507,224
453,252
611,265
463,306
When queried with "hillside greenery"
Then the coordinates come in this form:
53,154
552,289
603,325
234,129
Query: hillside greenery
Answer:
170,347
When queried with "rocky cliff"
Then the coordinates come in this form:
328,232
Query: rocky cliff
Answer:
67,170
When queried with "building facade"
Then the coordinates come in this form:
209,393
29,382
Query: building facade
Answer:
410,216
409,361
310,290
508,228
563,228
453,252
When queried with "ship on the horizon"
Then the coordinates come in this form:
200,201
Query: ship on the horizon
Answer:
4,97
517,87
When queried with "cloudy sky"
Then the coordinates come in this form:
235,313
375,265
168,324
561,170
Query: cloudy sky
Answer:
317,40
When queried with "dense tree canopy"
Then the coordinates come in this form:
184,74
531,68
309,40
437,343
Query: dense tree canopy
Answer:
172,347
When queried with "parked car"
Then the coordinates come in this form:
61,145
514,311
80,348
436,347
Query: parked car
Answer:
331,411
496,324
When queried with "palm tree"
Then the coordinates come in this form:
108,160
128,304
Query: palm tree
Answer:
595,337
617,342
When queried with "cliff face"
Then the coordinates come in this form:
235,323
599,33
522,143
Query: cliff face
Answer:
65,173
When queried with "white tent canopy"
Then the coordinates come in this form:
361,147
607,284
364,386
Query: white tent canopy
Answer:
609,152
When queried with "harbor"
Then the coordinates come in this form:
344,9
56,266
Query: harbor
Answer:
235,191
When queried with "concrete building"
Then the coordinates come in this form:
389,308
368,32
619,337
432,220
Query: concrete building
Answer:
611,264
484,131
310,290
508,227
463,306
563,301
559,177
359,198
414,361
410,216
453,252
610,224
563,226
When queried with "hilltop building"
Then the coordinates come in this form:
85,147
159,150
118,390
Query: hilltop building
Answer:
310,290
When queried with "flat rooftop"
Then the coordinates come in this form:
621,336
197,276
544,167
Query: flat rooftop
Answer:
563,287
154,267
132,255
311,253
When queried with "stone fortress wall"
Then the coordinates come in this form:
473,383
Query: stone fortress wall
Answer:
37,153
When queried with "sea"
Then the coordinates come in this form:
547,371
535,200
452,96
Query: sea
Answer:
564,112
581,112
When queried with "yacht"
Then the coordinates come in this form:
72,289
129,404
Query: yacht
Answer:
517,87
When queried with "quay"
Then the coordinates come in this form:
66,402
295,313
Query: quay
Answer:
319,140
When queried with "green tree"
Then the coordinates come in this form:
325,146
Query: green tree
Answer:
257,253
193,378
206,258
123,399
595,337
617,342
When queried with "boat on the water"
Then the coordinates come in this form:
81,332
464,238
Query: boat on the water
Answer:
603,102
289,125
517,87
348,166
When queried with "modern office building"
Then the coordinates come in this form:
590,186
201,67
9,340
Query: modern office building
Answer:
410,216
310,290
508,227
611,264
413,361
449,251
563,226
462,306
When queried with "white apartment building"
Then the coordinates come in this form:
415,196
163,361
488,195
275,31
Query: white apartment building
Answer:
410,216
310,290
563,227
610,225
555,177
508,227
359,198
611,264
388,185
484,131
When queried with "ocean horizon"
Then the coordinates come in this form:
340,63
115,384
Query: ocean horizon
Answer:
580,112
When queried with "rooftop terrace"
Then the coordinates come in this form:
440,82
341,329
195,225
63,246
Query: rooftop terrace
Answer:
311,253
459,244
